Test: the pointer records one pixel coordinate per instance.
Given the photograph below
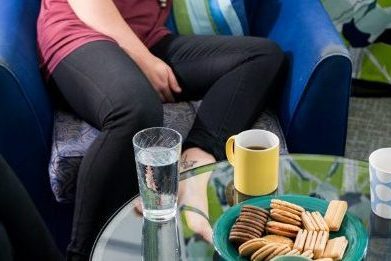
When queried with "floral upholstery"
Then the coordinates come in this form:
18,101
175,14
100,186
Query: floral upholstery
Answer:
72,137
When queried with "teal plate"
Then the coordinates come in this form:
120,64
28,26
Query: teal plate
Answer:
351,228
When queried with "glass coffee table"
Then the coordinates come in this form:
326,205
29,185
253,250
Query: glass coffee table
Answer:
127,236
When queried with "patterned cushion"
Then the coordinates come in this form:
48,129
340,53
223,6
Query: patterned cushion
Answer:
72,137
366,27
225,17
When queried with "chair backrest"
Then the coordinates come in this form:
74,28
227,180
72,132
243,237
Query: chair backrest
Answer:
25,111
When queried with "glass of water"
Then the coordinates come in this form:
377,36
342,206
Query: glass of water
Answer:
157,152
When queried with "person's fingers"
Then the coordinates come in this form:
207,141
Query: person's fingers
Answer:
162,98
173,82
166,92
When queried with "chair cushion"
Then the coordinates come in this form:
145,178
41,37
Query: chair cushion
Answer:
225,17
364,26
72,138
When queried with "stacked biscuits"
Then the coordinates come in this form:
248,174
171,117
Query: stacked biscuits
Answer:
291,230
250,224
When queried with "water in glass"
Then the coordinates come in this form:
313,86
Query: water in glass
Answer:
158,181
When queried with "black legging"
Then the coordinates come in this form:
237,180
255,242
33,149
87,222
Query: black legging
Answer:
232,75
23,235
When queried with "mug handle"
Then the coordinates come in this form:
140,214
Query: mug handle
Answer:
229,149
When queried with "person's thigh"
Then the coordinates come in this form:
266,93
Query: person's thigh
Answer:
101,83
199,61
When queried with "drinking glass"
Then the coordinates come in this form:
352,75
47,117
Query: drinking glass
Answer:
157,152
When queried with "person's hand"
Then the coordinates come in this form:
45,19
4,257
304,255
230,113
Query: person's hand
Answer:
161,76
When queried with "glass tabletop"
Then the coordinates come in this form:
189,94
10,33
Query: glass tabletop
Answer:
127,236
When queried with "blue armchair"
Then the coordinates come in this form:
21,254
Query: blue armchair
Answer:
312,110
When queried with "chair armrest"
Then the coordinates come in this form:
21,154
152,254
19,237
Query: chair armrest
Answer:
25,111
318,84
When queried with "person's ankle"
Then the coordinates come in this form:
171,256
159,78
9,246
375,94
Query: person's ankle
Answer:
195,157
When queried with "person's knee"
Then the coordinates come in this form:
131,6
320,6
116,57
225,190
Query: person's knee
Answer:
146,113
265,48
275,52
134,111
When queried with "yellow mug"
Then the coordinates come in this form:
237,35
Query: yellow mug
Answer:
254,154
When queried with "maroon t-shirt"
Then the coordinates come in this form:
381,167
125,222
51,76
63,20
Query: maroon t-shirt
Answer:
60,31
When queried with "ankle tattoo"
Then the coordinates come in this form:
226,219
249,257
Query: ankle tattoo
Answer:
187,164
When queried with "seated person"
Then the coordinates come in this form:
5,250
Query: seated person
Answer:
115,63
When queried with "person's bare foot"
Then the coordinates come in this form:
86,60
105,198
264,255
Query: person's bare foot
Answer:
193,191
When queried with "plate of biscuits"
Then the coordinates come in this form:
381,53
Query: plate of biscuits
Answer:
266,227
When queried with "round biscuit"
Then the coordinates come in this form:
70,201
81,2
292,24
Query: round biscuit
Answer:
293,252
257,227
258,214
262,220
288,204
257,235
278,239
249,247
284,251
256,208
283,226
254,214
247,228
276,251
285,219
285,213
290,210
263,252
238,240
281,232
241,234
254,223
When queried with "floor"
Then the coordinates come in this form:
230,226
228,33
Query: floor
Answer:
369,126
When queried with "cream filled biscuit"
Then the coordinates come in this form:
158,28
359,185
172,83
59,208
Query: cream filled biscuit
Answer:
253,216
285,217
278,239
278,252
239,226
264,251
282,229
288,204
249,247
293,252
256,209
251,222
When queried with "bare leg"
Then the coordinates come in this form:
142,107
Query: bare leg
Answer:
193,191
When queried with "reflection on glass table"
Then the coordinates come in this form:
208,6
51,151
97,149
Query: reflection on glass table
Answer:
128,237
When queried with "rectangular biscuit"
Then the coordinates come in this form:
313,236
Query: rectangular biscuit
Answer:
300,240
335,248
320,244
310,241
321,220
335,214
308,221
